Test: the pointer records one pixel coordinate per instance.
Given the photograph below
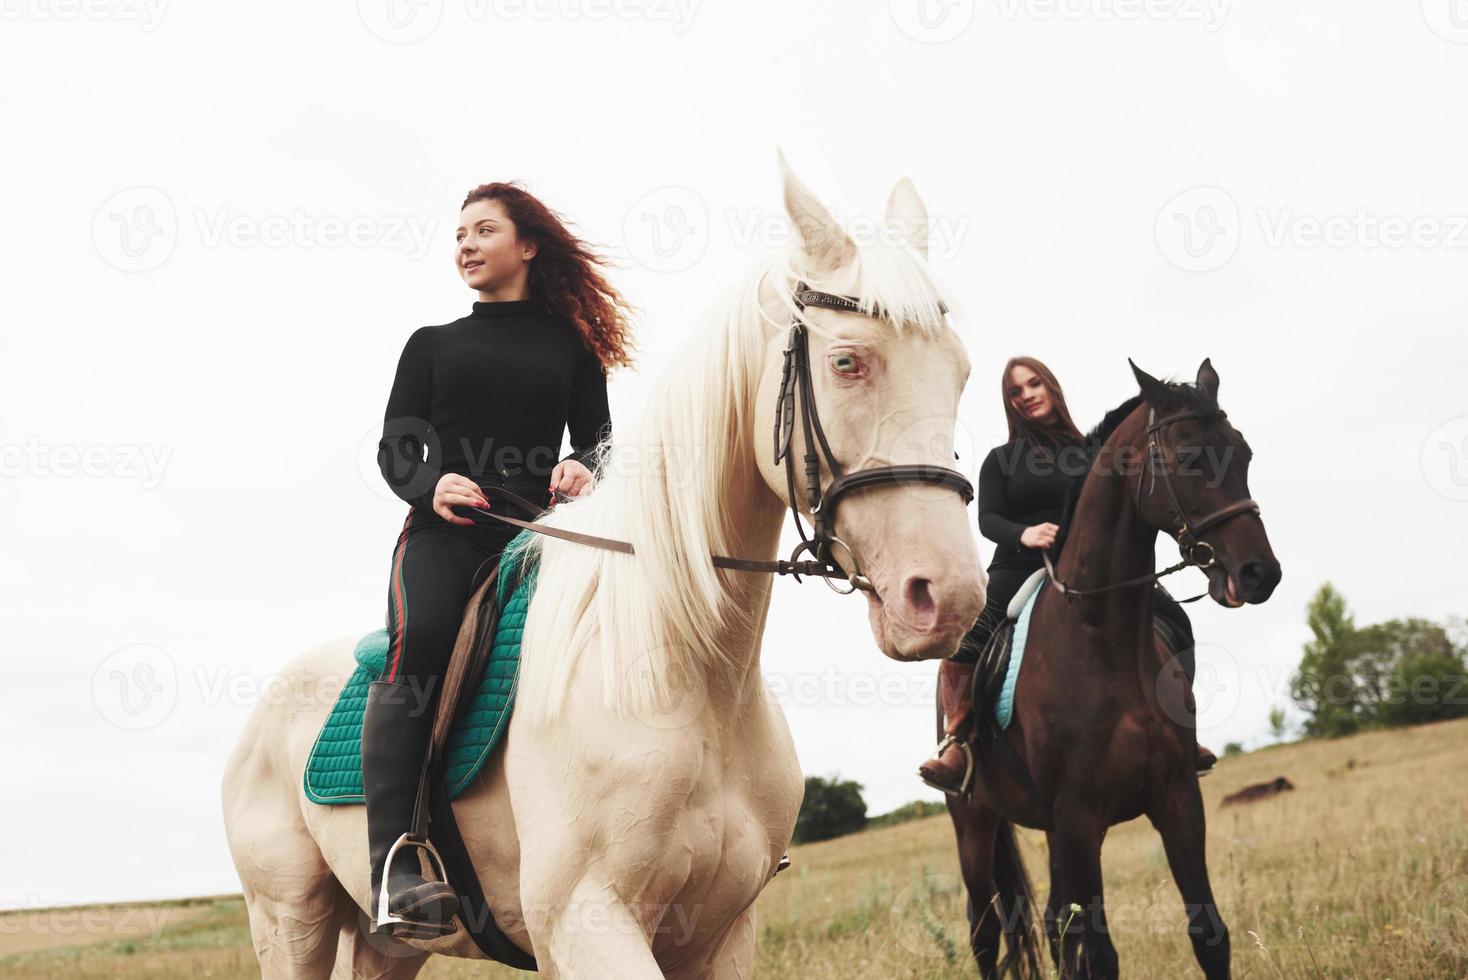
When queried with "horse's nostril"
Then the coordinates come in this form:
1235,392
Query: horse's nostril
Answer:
917,595
1249,575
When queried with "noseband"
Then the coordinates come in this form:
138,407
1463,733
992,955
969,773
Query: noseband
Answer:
796,378
1188,533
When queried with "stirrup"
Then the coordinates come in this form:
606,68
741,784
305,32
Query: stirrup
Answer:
396,925
966,783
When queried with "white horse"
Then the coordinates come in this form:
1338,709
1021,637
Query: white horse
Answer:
648,783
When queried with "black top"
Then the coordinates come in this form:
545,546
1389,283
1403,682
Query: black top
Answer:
1021,485
490,395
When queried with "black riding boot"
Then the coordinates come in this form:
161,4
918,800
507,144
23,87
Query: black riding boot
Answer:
396,729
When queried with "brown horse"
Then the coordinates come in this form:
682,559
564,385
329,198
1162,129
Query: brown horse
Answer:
1103,728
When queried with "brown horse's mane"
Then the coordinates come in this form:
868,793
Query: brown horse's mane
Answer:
1181,396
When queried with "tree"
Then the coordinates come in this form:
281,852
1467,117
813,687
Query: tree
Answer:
1401,672
1278,727
832,807
1422,672
1324,686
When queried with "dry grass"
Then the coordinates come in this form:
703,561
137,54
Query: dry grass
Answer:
1360,873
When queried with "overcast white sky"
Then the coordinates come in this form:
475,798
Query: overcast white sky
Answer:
221,223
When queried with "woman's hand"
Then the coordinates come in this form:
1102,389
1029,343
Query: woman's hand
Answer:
571,478
1039,535
452,490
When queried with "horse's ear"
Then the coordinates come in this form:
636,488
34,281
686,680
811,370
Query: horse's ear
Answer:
1153,390
1208,378
827,248
907,213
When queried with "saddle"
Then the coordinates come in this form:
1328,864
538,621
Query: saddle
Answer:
997,669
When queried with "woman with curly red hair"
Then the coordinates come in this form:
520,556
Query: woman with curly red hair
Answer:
481,401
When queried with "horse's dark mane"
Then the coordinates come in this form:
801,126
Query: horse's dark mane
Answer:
1181,397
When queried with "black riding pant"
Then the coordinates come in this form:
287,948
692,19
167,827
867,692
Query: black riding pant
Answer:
1005,580
434,568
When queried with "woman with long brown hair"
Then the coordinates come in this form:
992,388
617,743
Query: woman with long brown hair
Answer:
1023,490
478,402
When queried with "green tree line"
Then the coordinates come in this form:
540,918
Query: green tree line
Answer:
1400,672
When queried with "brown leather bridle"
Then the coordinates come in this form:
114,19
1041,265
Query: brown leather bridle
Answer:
1188,533
795,379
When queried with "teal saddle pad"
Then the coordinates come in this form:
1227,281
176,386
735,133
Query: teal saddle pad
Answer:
334,769
1004,703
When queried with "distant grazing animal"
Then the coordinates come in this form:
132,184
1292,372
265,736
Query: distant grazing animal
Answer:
1259,791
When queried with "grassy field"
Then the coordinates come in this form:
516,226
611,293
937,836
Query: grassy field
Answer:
1360,873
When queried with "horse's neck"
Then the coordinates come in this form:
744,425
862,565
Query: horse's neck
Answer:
1108,542
753,517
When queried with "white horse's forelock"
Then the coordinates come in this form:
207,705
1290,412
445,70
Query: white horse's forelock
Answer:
647,623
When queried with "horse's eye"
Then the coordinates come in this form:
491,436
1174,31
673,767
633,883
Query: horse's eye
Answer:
845,363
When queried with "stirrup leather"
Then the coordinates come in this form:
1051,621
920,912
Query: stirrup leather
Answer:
947,742
397,925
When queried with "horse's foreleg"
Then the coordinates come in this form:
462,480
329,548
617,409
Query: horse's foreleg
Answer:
588,931
1180,820
1085,941
362,953
975,827
731,959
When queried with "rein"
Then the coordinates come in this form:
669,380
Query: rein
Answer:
1188,534
795,379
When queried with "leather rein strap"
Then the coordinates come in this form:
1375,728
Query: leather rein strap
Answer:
795,379
1188,534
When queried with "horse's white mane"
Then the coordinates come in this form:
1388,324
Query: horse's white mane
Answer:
648,622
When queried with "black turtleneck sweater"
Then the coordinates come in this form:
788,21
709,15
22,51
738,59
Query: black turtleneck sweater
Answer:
489,396
1021,485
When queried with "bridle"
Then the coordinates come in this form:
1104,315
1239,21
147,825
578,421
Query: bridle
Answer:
795,379
1188,533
